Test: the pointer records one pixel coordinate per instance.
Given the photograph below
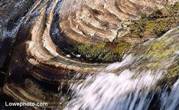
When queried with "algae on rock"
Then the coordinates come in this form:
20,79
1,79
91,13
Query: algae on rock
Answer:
105,52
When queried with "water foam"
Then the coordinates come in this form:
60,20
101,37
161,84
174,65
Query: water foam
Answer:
123,90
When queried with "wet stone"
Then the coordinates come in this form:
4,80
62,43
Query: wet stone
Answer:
54,51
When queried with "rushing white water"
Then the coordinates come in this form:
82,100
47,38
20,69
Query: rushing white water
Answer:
123,90
171,101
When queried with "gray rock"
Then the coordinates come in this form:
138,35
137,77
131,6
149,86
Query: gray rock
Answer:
11,12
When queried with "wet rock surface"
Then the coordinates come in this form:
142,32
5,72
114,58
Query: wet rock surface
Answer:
11,13
45,45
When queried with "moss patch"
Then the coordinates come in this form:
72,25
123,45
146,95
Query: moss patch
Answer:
153,25
157,23
173,71
103,52
160,49
171,76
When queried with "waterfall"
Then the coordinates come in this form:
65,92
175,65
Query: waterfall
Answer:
126,89
171,101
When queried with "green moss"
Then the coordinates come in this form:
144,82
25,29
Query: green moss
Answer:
173,71
154,65
157,26
176,6
150,26
137,28
172,9
121,47
171,76
157,23
105,52
160,49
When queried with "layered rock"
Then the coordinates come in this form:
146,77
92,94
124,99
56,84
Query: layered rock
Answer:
87,24
91,21
57,40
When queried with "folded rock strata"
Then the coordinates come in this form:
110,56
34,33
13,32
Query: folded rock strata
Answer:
39,54
92,21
